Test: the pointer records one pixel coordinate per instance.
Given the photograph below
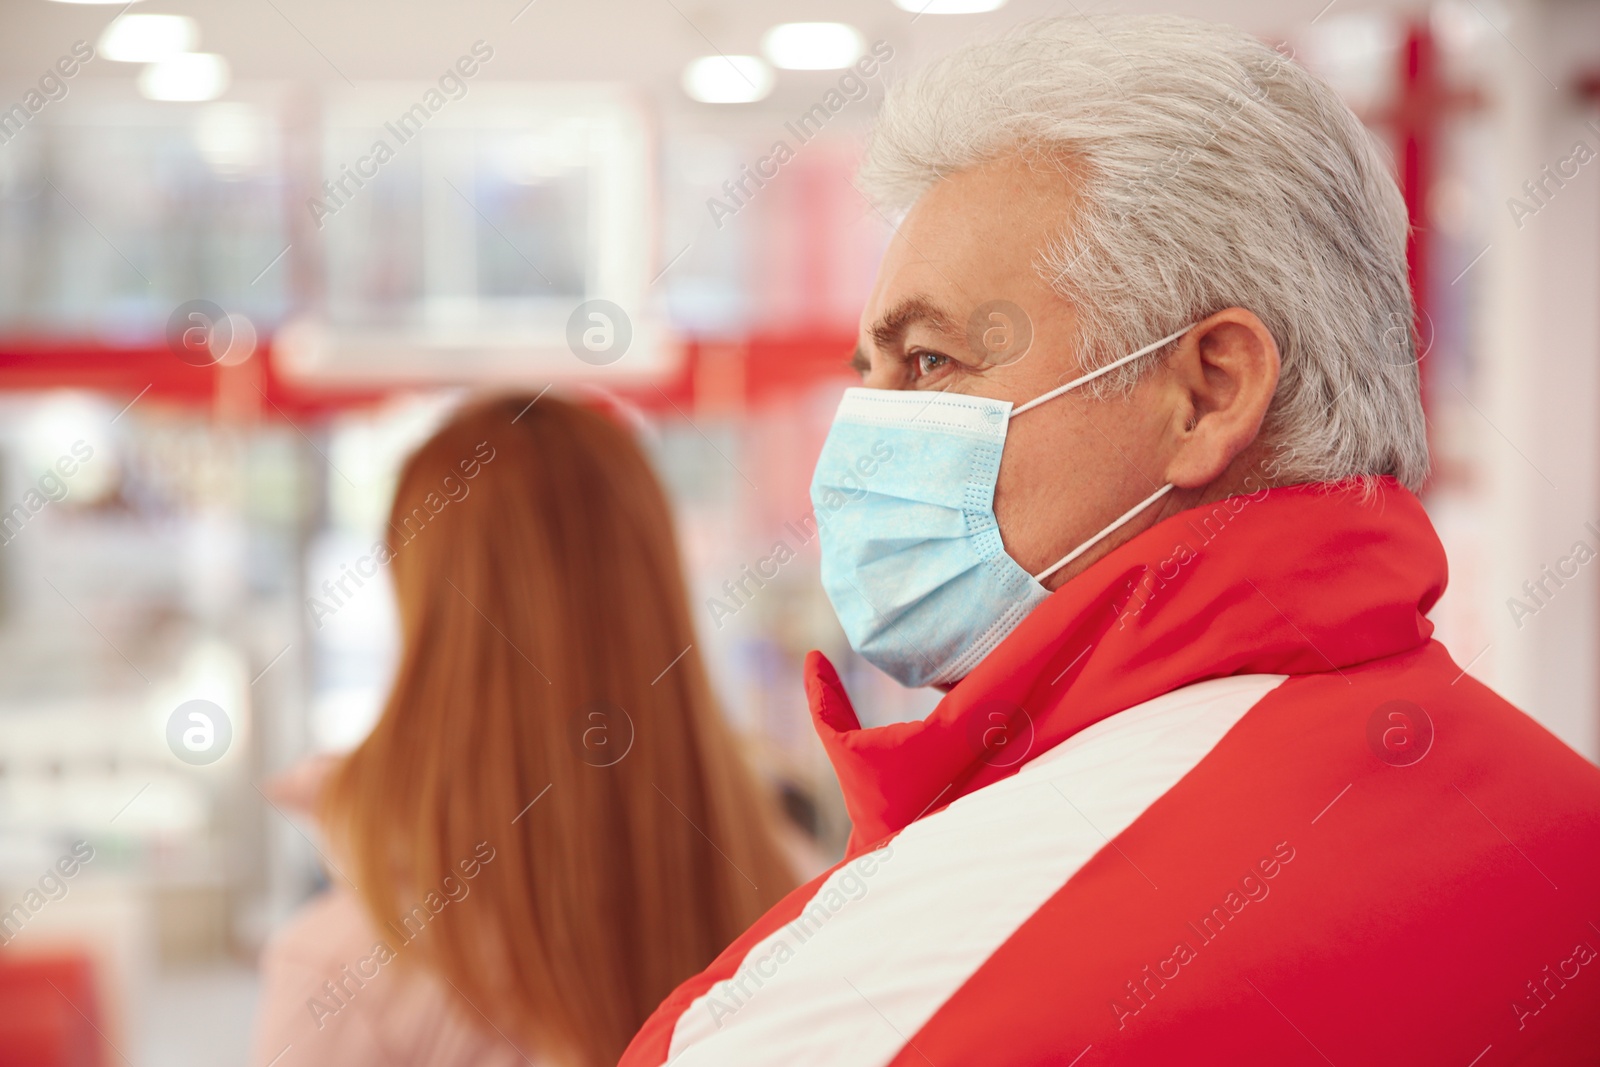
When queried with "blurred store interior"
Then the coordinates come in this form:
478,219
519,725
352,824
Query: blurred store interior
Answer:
225,316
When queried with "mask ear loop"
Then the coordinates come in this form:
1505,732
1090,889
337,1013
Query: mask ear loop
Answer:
1128,515
1092,375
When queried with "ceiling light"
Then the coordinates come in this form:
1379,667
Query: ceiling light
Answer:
949,7
191,76
148,38
232,137
727,79
812,45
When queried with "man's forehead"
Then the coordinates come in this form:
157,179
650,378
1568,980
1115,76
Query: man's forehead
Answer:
911,284
1009,194
970,236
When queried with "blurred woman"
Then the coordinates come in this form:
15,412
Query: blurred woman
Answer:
550,826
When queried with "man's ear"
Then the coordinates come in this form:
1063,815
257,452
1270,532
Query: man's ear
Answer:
1222,377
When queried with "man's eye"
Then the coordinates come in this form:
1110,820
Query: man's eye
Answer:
929,362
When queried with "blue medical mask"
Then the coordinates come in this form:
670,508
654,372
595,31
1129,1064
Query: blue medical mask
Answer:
911,553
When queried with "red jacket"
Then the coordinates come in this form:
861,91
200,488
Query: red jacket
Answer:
1219,800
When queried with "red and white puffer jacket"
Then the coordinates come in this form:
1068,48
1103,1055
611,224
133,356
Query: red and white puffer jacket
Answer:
1219,800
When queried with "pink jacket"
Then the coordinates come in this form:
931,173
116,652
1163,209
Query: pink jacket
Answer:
335,993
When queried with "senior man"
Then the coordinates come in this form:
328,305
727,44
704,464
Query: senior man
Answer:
1132,477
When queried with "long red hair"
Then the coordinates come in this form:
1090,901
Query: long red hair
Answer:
548,660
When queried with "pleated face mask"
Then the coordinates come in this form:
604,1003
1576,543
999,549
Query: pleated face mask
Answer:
912,559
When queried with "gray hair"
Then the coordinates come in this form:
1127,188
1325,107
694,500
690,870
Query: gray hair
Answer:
1211,172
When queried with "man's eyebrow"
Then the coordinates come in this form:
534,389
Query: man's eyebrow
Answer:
892,324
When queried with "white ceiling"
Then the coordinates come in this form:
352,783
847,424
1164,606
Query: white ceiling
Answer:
644,42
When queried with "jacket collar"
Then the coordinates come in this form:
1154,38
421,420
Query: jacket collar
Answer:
1297,580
